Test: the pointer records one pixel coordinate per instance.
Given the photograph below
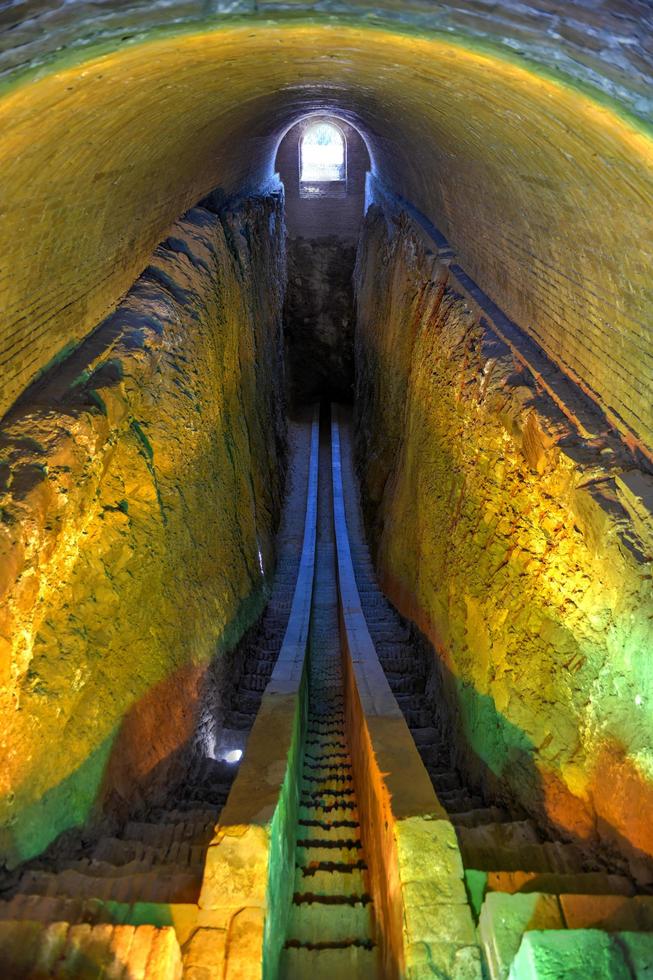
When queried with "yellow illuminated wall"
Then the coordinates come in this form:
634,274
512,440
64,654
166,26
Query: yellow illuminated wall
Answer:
505,535
545,193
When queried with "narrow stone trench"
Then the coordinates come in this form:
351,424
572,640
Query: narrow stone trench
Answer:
326,490
90,895
331,928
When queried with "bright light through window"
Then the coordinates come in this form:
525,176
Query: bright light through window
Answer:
323,154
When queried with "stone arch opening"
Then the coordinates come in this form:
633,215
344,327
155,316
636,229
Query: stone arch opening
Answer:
322,160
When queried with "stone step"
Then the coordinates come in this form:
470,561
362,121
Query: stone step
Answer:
193,805
460,801
340,850
506,919
581,883
118,852
212,771
164,834
583,953
328,829
265,650
405,683
484,815
503,921
160,885
316,879
327,964
382,627
500,835
549,857
248,703
399,663
615,913
417,717
32,949
436,757
45,908
424,736
260,666
215,797
187,813
319,922
372,600
240,721
275,623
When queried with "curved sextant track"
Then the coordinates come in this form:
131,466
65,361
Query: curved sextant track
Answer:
331,927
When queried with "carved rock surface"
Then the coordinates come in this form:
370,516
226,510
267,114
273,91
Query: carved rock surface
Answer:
515,544
138,498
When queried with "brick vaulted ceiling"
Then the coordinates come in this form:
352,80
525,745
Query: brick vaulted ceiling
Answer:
522,131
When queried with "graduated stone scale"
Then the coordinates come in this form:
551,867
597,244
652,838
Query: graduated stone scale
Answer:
331,930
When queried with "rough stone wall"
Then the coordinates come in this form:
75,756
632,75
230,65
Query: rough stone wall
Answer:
521,550
319,319
139,491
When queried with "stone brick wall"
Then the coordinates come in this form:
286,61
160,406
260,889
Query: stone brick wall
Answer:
139,490
520,548
605,43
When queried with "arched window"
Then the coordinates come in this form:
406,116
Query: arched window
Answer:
322,154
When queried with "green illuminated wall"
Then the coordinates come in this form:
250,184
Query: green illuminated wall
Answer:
515,545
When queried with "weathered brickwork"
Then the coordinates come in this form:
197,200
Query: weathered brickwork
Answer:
605,43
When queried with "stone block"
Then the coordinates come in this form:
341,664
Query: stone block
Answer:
183,917
578,954
609,912
204,955
52,943
164,962
437,923
120,946
638,951
95,952
430,960
245,945
429,848
236,870
20,946
635,490
503,921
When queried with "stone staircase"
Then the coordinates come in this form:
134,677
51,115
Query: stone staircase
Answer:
331,931
126,905
113,905
34,950
544,907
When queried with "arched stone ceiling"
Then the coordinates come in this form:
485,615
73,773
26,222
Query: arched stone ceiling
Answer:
545,193
606,43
